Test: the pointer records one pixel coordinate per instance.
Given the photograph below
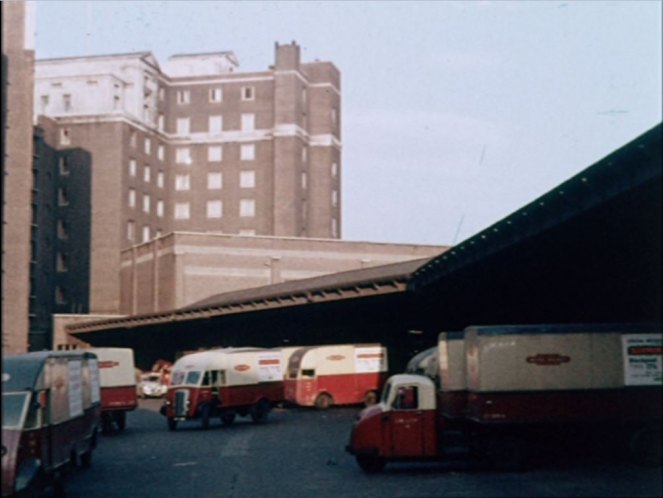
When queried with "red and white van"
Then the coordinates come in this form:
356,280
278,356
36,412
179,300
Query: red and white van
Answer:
225,383
339,374
118,385
50,418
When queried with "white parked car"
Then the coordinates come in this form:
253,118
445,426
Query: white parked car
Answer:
151,386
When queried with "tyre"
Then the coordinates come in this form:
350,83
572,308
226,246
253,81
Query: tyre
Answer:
227,417
204,417
371,398
644,446
260,411
323,401
121,421
172,424
371,464
86,459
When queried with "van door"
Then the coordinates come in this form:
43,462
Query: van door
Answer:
406,424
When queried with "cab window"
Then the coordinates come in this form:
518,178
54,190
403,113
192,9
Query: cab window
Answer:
308,372
192,378
407,398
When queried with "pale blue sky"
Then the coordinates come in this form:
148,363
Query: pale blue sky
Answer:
454,114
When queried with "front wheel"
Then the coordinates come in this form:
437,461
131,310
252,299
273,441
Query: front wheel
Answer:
205,416
172,424
371,464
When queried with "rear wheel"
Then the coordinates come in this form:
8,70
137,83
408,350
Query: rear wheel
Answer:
172,424
121,420
260,411
644,446
323,401
371,398
371,464
227,417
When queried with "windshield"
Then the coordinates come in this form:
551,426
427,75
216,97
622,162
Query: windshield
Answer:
13,409
191,378
385,392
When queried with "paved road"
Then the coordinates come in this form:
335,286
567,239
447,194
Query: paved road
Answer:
300,453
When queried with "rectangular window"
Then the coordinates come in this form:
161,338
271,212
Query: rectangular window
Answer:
214,153
60,297
182,210
248,152
66,102
132,167
61,263
247,208
334,169
131,230
148,146
133,140
215,95
304,154
247,179
65,139
132,198
62,230
161,122
215,124
248,93
146,233
161,152
248,122
146,203
63,197
160,179
116,102
334,115
334,198
182,182
183,97
183,155
334,227
247,231
44,103
160,208
147,173
214,209
64,166
183,126
214,181
304,179
162,93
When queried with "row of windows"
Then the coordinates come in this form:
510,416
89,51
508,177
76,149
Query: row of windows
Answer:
247,152
182,209
215,95
215,124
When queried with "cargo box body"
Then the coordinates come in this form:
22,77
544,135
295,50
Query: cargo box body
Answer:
339,374
528,374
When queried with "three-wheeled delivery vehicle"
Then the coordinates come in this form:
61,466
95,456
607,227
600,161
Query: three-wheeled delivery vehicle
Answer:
50,417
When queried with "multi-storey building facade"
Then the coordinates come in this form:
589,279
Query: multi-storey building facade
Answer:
196,145
17,80
60,235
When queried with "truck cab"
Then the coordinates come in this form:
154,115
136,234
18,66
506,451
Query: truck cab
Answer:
401,426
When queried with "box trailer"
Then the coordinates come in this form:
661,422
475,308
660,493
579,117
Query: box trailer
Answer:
225,383
507,392
51,406
339,374
117,373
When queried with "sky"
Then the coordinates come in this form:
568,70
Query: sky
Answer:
454,114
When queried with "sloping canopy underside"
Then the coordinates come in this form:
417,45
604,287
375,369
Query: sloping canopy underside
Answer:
587,251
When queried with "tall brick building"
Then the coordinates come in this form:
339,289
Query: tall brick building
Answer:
17,163
197,145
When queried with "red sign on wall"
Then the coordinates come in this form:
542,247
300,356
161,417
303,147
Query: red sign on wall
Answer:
548,359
